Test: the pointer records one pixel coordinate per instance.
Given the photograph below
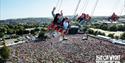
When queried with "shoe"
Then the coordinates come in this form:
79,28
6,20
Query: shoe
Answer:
60,39
65,38
84,38
54,34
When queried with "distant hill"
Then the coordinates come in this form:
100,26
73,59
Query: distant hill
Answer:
26,21
43,20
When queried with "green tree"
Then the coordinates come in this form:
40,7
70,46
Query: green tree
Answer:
33,32
97,25
113,28
20,30
116,37
3,29
95,32
90,31
123,36
11,26
42,36
37,29
111,35
104,26
10,31
4,52
1,34
121,28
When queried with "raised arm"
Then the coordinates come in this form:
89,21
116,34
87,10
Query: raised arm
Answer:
61,12
53,11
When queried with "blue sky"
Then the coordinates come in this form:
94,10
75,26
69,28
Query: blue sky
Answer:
42,8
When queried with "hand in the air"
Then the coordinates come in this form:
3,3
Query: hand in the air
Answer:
54,8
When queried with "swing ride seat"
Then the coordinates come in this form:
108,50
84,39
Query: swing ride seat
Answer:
73,29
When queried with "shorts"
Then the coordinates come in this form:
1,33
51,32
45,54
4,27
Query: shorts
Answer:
65,27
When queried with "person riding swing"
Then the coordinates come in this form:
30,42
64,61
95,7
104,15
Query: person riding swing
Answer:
58,25
114,17
58,17
81,19
66,25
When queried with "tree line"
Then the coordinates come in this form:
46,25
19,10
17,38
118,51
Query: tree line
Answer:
19,29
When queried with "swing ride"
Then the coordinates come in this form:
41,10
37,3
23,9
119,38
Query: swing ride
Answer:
84,20
113,18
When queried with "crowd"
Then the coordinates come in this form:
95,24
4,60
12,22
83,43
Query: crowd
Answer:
73,50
